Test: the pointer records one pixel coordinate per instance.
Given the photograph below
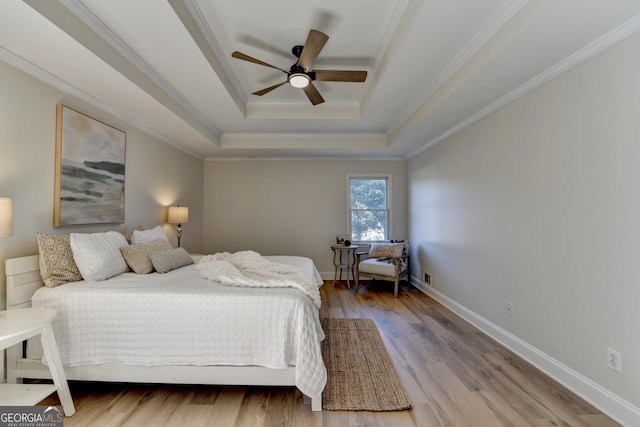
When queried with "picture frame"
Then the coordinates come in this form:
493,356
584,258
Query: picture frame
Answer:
89,170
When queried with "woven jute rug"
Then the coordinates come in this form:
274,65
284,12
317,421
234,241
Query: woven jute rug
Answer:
360,373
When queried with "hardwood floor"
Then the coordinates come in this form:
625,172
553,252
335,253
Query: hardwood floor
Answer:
454,374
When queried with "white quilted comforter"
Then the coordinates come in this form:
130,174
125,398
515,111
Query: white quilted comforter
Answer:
250,269
180,318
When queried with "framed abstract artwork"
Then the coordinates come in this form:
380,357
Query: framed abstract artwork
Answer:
89,171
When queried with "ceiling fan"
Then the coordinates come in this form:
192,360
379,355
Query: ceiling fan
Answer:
300,74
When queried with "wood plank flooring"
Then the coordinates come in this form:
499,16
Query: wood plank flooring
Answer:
454,374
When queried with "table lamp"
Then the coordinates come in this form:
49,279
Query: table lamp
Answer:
178,215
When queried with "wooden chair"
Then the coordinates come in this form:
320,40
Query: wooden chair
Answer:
384,261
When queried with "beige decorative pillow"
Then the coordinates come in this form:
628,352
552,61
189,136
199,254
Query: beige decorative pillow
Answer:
137,256
386,250
57,265
164,261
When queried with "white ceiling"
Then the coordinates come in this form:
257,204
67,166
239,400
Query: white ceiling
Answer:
434,66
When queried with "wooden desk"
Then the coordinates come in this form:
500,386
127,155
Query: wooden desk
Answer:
344,258
18,325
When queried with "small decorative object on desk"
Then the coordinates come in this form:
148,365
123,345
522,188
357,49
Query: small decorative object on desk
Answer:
342,239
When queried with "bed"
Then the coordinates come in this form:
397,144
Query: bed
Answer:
183,320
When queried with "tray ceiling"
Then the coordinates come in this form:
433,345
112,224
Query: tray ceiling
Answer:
434,67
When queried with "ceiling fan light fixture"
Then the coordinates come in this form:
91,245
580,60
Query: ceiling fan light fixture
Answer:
299,75
299,80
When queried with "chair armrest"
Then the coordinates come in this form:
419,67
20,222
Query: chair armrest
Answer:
360,254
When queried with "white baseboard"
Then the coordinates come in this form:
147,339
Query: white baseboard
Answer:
326,275
612,405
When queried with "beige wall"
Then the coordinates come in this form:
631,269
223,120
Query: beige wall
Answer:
539,204
287,207
274,207
157,175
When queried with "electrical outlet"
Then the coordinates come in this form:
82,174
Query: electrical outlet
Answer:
426,277
614,360
508,308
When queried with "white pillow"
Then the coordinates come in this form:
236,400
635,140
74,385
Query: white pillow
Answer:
98,255
148,236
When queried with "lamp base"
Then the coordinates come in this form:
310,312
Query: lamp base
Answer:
179,226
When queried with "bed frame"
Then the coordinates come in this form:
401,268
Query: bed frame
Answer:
23,279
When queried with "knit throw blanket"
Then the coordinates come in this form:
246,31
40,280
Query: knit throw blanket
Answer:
250,269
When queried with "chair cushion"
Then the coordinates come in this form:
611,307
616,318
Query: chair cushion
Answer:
382,268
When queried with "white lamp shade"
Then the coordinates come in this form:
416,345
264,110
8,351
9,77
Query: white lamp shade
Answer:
6,217
178,215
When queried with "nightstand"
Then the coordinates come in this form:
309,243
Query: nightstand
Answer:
17,326
344,258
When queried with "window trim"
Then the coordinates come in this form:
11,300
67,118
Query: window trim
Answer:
386,176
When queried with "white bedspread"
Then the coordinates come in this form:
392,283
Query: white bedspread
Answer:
180,318
250,269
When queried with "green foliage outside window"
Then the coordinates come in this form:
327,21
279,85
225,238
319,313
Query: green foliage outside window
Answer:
369,210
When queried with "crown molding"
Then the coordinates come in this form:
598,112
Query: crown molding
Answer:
64,87
304,159
82,12
345,111
194,21
64,15
600,45
270,141
483,36
203,25
395,31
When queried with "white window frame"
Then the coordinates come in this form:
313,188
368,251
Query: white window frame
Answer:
386,176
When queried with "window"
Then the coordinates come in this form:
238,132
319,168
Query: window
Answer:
369,201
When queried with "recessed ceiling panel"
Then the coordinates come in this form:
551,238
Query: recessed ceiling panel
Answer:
433,65
358,30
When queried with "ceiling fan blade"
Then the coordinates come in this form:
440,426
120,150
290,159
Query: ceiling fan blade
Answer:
312,47
340,76
240,55
268,89
313,94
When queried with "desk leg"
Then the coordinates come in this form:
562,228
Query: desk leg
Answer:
343,263
353,265
57,371
335,267
348,262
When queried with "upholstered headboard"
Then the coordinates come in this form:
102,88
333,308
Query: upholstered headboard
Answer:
23,279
